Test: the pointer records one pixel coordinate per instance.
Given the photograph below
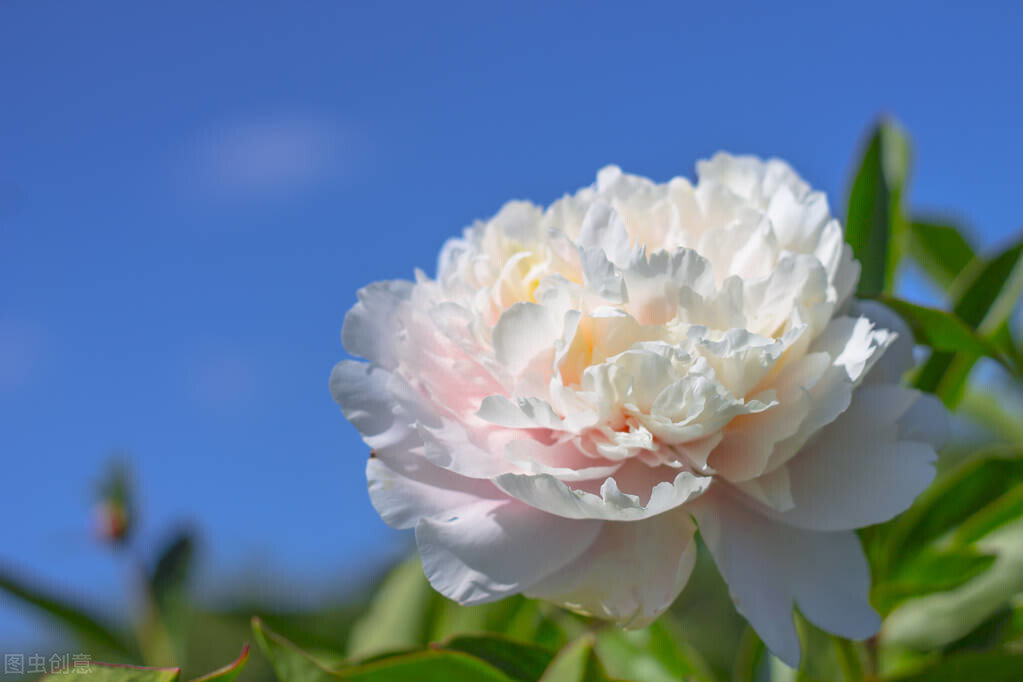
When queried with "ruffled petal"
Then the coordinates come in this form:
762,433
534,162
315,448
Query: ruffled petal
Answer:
554,496
372,324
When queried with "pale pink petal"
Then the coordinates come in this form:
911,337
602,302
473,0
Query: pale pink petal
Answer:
494,548
630,574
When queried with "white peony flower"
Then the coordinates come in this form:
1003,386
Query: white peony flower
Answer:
583,386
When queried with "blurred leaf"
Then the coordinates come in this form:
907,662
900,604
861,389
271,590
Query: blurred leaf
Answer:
987,293
940,249
940,330
875,226
85,626
988,666
112,672
931,571
954,497
993,412
288,661
518,660
577,662
399,615
939,619
229,671
749,657
1006,508
169,584
424,666
655,653
435,665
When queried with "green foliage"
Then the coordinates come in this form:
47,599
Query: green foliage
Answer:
875,225
985,294
940,249
947,573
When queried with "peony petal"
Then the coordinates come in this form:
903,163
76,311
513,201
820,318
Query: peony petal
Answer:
857,472
769,565
372,324
523,332
630,574
495,548
546,492
385,422
409,489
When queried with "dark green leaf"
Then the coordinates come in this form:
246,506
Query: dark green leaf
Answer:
875,226
229,671
940,249
88,628
518,660
984,301
577,662
988,666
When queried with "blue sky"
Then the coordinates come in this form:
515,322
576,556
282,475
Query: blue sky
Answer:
191,193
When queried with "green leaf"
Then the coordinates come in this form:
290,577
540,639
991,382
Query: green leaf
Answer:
940,330
987,292
424,666
169,585
953,498
229,671
290,663
939,619
287,660
112,672
577,662
931,571
940,249
657,653
88,628
875,226
518,660
989,666
399,616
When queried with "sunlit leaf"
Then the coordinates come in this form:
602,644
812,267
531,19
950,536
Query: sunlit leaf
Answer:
941,618
953,498
875,226
87,627
986,293
940,249
655,653
288,661
577,662
229,671
931,571
940,330
399,615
